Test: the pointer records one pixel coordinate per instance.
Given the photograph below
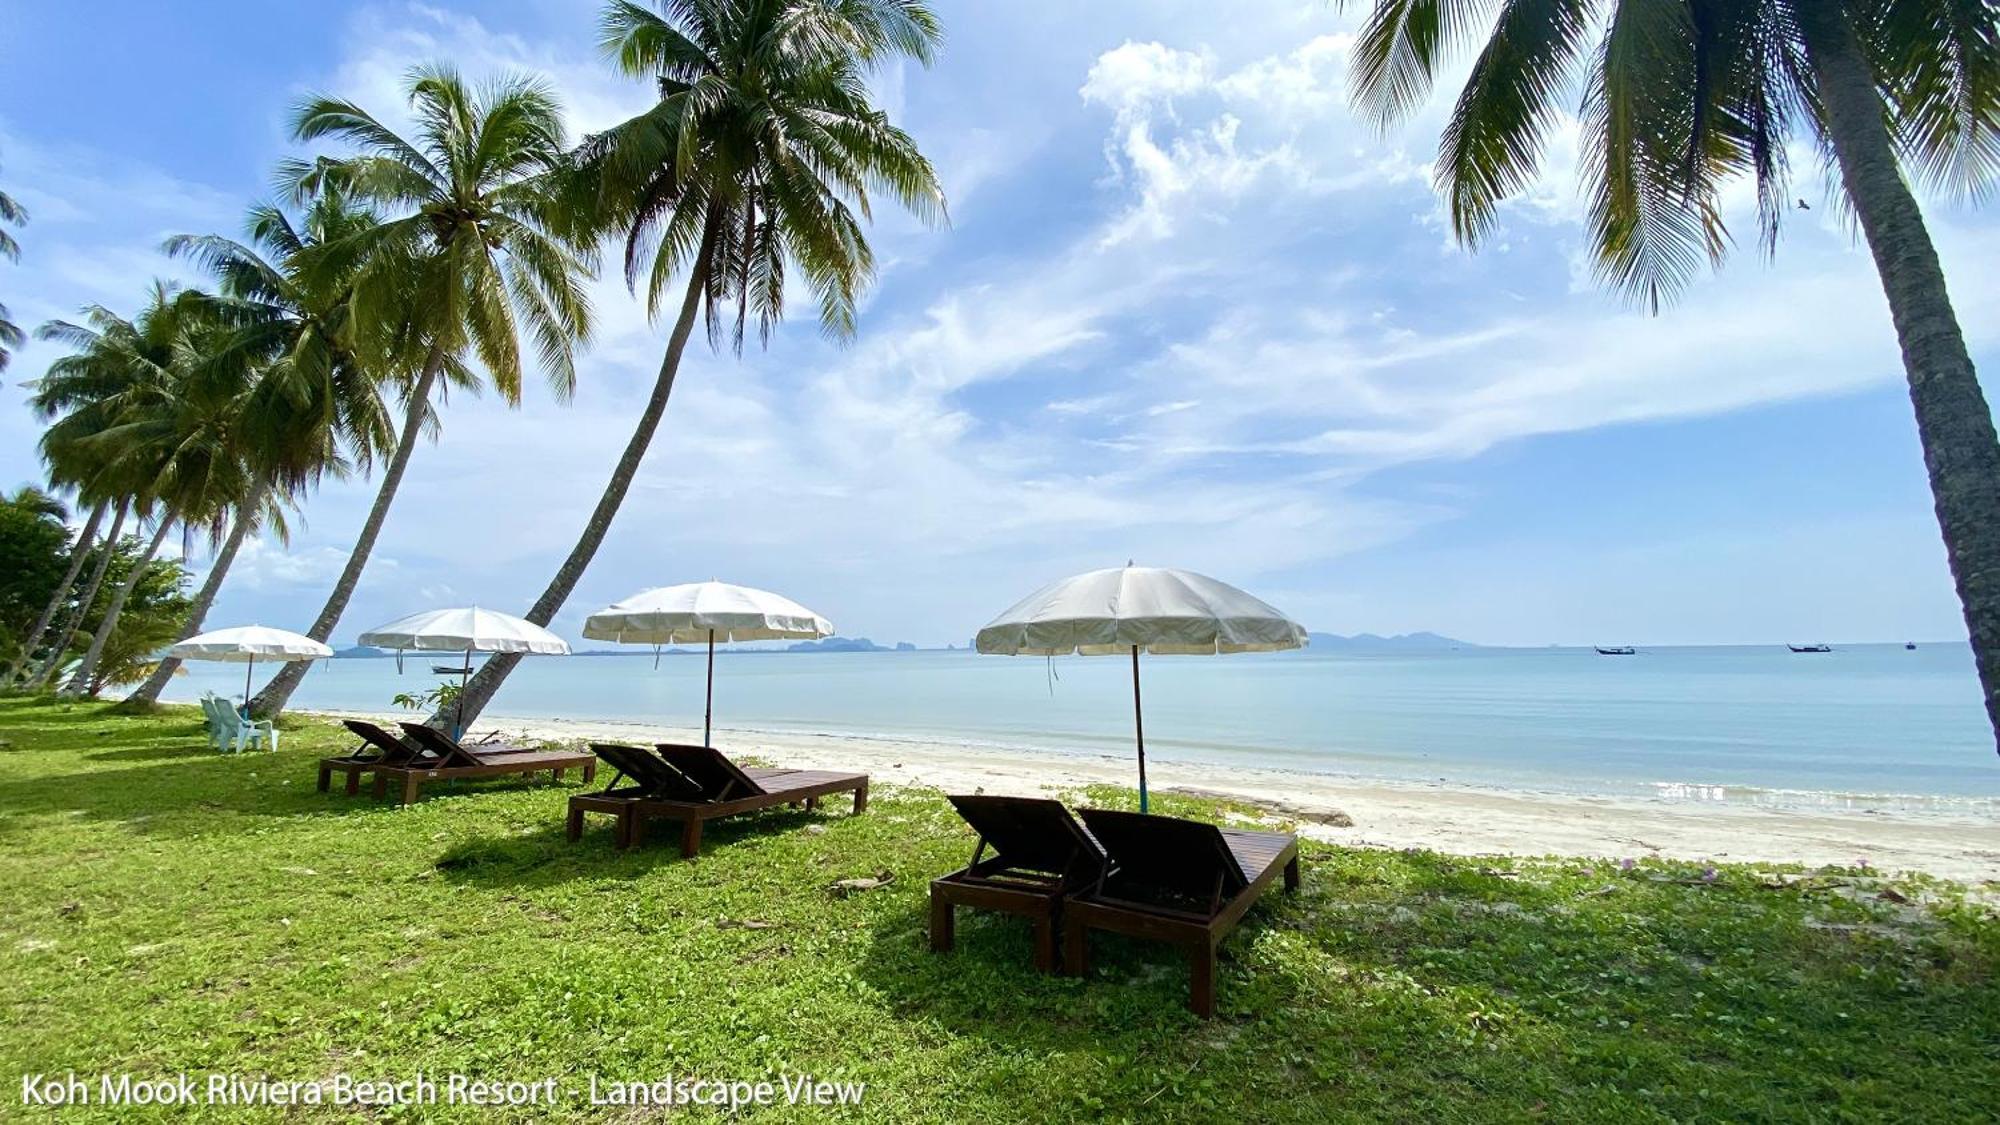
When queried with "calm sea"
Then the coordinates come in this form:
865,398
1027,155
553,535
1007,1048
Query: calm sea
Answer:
1735,724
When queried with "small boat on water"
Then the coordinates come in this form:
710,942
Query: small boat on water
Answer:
1617,650
1810,648
1910,646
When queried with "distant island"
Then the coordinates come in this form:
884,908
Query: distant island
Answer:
848,644
1363,642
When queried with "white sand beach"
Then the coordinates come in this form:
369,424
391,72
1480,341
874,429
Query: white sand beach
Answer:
1374,813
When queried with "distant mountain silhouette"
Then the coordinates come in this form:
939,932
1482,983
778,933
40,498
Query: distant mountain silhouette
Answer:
1402,641
838,644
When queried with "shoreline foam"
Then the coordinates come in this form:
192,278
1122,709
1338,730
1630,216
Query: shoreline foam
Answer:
1443,816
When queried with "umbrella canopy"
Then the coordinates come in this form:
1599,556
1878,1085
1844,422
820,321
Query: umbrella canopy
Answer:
465,629
248,644
1155,609
1139,609
701,611
705,611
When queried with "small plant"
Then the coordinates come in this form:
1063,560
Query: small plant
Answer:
436,699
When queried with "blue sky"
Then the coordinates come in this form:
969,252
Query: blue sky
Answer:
1189,310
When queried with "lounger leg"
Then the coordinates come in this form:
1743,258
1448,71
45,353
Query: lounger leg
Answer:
1292,874
326,778
411,783
812,803
861,798
1045,943
1076,949
573,828
381,785
555,775
1201,992
690,837
589,771
943,923
631,828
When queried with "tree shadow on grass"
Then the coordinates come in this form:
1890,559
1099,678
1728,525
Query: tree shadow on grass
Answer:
544,857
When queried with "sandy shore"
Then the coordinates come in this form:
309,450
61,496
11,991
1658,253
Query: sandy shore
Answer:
1385,814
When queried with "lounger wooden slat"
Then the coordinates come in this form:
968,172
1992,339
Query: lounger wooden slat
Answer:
1176,881
664,778
1040,855
452,760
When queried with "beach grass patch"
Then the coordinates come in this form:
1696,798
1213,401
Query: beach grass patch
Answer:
168,909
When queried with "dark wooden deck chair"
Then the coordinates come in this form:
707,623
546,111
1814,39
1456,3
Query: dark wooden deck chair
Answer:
651,775
718,778
1040,855
378,748
450,760
1178,881
719,788
453,752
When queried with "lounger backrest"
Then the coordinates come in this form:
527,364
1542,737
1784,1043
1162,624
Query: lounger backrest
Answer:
652,773
1183,856
1032,833
447,748
393,749
711,770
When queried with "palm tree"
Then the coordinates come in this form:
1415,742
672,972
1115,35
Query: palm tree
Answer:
758,157
163,433
81,396
466,261
302,396
1680,97
15,214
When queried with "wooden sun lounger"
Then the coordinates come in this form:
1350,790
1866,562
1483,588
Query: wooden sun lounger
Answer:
1040,856
389,750
1177,881
692,784
452,760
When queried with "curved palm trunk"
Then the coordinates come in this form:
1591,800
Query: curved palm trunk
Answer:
278,692
489,678
59,644
1954,422
76,557
218,569
83,681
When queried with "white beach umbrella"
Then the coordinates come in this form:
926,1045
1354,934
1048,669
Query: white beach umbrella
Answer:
705,611
1139,609
247,644
466,629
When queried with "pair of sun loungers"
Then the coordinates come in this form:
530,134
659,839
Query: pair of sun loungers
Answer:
693,784
428,754
1156,877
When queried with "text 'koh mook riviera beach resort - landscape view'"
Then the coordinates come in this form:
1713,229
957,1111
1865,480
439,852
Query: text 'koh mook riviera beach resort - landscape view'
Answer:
954,561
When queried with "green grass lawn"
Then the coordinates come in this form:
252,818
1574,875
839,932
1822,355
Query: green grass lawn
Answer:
167,909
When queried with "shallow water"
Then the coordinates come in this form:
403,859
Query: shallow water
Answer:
1730,724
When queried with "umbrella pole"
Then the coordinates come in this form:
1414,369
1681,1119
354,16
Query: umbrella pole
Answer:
458,705
708,705
1139,728
247,669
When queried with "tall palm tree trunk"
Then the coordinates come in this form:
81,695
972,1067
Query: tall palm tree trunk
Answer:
494,672
218,569
59,643
278,692
77,555
1954,422
82,682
